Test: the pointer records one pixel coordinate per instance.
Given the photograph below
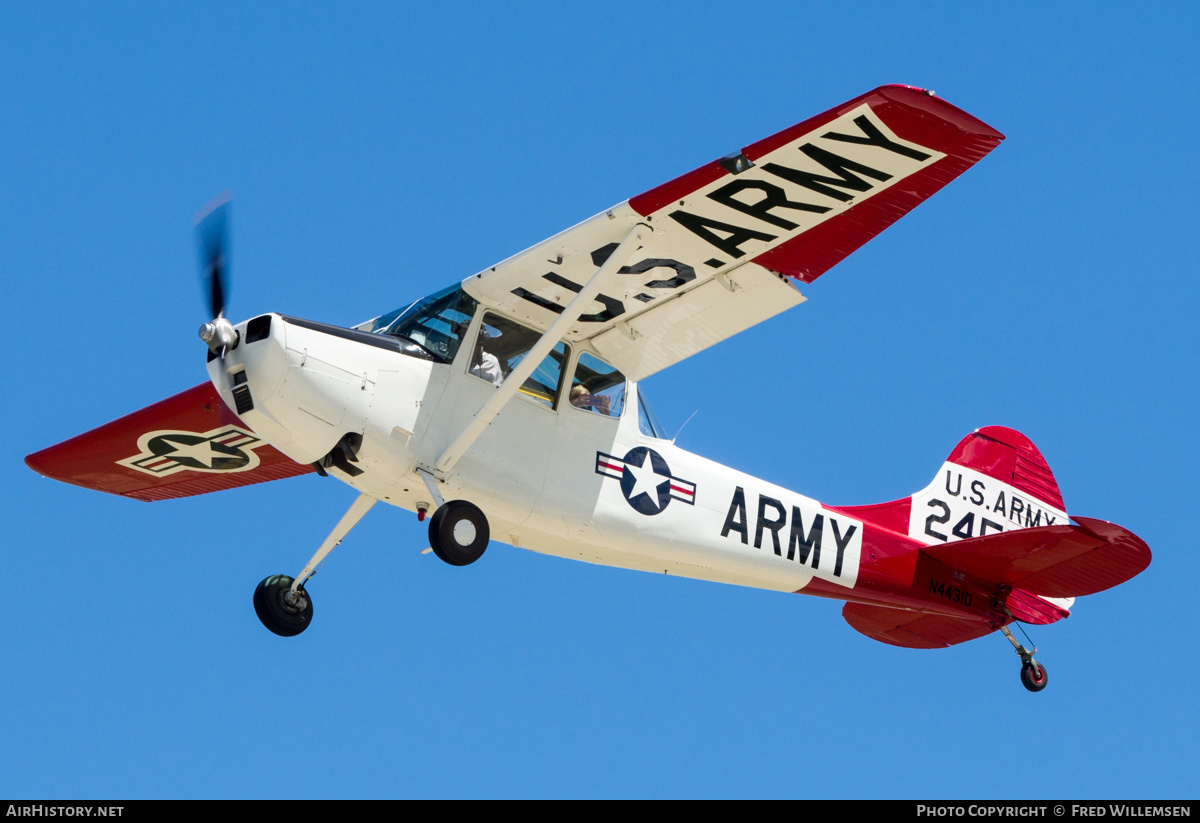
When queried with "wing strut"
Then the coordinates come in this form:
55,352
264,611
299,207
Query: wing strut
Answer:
361,505
545,343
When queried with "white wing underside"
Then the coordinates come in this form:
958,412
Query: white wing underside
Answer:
721,245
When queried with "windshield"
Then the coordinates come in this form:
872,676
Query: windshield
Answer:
437,323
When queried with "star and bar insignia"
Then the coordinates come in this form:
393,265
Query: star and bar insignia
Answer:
646,480
225,449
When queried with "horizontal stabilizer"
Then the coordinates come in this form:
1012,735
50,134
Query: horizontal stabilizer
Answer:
912,630
188,444
1052,561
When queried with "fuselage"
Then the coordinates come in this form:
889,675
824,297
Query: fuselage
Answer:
563,480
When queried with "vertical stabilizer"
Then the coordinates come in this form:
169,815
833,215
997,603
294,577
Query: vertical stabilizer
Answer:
994,481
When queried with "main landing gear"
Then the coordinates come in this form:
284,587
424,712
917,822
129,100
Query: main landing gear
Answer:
1033,673
280,602
458,534
458,530
283,611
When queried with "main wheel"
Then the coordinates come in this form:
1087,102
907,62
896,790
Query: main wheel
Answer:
458,532
1033,676
279,610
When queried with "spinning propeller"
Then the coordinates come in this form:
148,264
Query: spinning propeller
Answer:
212,236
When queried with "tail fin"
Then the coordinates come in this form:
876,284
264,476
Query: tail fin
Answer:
997,481
994,481
994,511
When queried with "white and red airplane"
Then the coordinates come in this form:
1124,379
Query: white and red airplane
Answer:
508,405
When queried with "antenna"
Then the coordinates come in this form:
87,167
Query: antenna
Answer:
685,422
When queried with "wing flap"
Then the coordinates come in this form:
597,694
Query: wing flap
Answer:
704,316
1052,561
912,630
186,445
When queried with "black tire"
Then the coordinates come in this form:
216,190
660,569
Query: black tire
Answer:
458,514
278,615
1033,676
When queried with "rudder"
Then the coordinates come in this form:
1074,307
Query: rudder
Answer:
995,480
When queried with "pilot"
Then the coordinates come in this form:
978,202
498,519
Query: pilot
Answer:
484,364
581,398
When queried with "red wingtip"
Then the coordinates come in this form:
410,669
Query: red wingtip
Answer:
99,459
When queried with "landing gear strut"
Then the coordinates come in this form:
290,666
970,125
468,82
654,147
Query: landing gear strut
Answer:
281,602
1033,673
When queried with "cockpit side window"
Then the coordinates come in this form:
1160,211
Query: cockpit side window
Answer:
502,344
436,323
597,387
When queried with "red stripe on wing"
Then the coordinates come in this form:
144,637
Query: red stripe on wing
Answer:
912,115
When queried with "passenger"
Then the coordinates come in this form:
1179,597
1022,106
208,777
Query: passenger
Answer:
581,398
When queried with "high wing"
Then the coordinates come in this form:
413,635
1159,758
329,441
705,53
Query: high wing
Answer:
721,242
188,444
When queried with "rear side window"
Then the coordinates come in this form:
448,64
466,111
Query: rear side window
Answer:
597,387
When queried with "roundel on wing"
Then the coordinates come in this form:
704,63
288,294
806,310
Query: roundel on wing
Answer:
165,452
195,451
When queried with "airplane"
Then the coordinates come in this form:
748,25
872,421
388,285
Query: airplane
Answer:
508,406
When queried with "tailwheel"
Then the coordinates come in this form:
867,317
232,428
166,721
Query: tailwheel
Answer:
282,611
1033,676
458,532
1033,673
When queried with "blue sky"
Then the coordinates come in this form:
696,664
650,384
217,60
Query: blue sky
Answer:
381,152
